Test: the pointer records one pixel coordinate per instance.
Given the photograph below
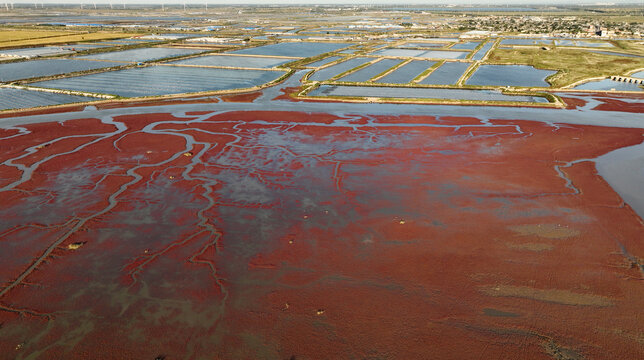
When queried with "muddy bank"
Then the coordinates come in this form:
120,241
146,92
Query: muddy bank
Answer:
623,169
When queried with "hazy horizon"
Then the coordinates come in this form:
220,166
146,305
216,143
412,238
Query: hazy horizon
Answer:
338,2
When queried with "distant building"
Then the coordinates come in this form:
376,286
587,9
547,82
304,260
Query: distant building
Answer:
214,40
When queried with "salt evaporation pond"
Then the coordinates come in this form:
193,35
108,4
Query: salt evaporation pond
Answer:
439,39
608,84
233,61
639,75
407,72
370,71
399,52
526,42
331,71
430,54
509,75
19,98
422,45
37,68
36,51
141,55
435,54
79,47
565,43
446,74
132,41
120,42
420,93
293,49
594,44
582,43
480,54
325,61
163,80
470,45
615,54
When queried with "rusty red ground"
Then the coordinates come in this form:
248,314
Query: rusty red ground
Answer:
284,235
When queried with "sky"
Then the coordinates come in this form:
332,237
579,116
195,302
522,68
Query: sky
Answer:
312,2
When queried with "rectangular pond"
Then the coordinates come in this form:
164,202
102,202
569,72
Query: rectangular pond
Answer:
608,84
293,49
132,41
324,61
422,45
81,47
163,80
19,98
36,52
37,68
565,42
509,75
615,53
446,74
582,43
233,61
437,54
439,39
141,55
420,93
331,71
430,54
366,73
601,44
470,45
533,42
480,54
407,72
399,52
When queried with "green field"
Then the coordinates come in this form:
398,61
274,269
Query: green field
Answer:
572,64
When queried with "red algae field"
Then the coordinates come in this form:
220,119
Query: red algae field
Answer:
249,234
